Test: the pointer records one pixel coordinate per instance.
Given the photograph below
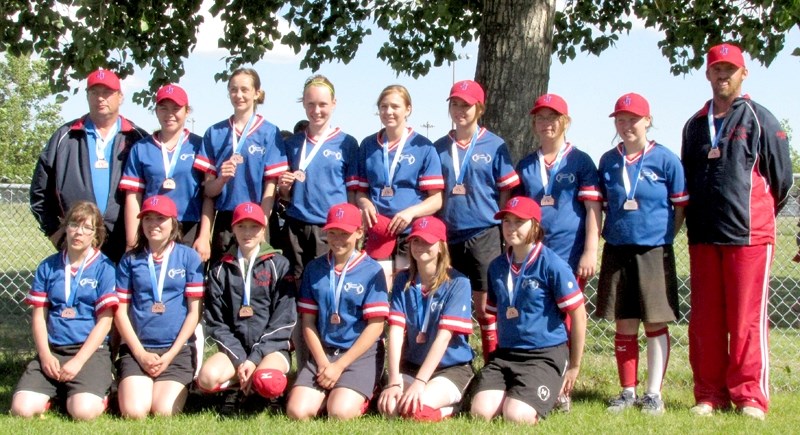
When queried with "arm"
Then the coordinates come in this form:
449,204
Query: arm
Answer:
387,403
96,337
217,327
588,260
427,207
328,377
775,160
368,209
203,242
311,336
412,398
577,339
122,321
44,202
133,204
185,333
213,185
50,365
680,215
268,197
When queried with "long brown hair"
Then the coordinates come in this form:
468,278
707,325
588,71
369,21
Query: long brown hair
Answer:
250,72
442,270
141,240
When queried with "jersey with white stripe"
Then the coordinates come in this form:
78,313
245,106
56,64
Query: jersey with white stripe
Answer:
547,291
661,188
363,297
488,172
564,222
144,173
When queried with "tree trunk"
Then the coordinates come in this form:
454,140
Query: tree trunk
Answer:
514,66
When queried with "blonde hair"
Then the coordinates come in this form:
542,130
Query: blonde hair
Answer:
442,270
318,80
250,72
398,89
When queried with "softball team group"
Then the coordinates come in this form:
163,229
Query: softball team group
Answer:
422,235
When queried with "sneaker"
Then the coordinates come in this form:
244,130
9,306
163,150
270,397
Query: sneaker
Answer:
626,399
563,404
753,412
652,404
702,410
230,404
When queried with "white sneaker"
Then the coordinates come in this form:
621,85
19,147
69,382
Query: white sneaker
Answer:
702,410
753,412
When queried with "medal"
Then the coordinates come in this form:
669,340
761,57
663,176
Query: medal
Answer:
630,204
168,184
237,158
714,153
68,313
512,313
246,311
101,164
159,308
422,338
335,319
459,189
300,175
548,201
387,191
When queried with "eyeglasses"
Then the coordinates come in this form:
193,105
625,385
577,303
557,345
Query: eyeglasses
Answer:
74,226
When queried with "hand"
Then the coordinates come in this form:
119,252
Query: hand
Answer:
70,369
56,237
203,247
368,212
400,221
150,362
329,375
286,180
412,398
245,374
569,380
227,170
587,265
164,361
390,396
50,366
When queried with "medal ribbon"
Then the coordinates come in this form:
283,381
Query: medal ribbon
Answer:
69,281
305,161
247,272
424,316
390,170
336,288
237,143
512,295
461,169
626,182
712,128
100,142
547,175
171,163
158,286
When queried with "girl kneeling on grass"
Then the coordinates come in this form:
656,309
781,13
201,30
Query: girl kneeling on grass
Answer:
73,301
343,304
530,291
430,323
250,312
160,287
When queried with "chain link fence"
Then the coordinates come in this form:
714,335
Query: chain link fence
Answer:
24,247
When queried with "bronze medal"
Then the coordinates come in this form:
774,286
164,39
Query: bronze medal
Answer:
335,319
159,308
300,175
387,191
168,184
422,338
548,201
714,153
511,313
237,158
101,164
459,189
68,313
246,311
630,204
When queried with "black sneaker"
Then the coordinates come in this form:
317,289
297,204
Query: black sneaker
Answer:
230,404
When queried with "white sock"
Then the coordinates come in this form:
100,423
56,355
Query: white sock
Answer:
658,348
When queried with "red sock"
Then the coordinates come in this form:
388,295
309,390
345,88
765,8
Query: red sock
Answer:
426,413
488,336
626,349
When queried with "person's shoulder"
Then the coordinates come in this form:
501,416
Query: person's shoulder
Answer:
52,261
419,140
369,263
370,140
443,143
458,279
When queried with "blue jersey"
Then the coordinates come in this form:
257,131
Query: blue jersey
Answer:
263,154
547,290
184,280
331,172
418,170
144,173
91,294
363,297
660,188
488,171
575,181
450,309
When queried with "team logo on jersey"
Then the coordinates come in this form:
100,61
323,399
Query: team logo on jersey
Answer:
408,157
187,156
486,158
176,272
354,286
543,392
740,133
263,278
88,282
253,149
436,306
336,154
648,174
530,284
565,178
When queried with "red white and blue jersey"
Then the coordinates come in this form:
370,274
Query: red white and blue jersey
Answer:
263,154
144,173
547,290
575,181
93,294
184,280
450,309
332,171
363,297
488,171
418,171
661,187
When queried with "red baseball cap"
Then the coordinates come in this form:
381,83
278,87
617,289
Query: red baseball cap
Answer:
174,93
550,101
269,383
380,242
631,103
249,210
345,217
159,204
469,91
429,229
521,207
103,77
725,53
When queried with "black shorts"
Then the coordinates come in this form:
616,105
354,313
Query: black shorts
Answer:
459,375
530,376
180,370
94,377
306,242
361,376
472,257
638,282
189,232
221,236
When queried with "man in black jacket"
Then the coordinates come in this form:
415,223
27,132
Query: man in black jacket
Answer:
83,161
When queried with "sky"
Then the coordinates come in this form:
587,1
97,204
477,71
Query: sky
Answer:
589,84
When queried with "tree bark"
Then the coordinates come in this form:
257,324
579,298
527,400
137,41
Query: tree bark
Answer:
514,66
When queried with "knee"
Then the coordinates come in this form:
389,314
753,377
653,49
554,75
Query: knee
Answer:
516,415
86,406
480,409
21,406
269,383
134,410
299,412
343,411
